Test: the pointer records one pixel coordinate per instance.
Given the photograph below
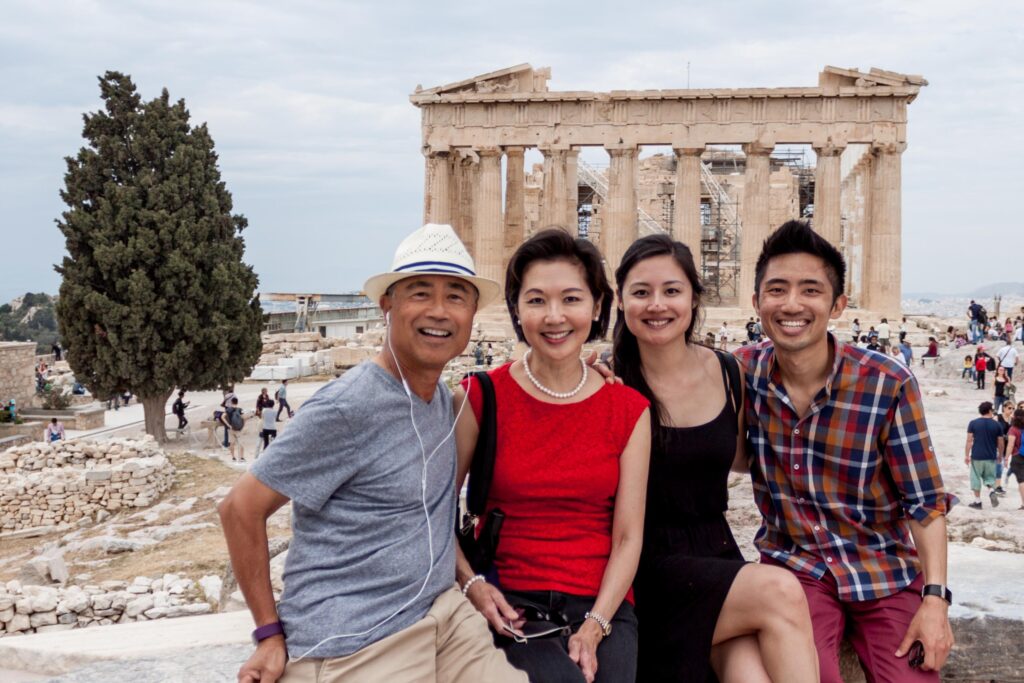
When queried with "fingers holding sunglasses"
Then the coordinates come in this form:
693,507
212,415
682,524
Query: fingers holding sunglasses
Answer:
490,602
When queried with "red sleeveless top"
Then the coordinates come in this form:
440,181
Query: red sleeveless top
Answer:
556,475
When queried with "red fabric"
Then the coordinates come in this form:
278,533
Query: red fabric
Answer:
980,363
556,475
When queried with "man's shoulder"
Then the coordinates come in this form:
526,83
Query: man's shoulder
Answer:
876,362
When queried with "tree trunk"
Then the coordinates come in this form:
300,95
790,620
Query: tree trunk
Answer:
155,408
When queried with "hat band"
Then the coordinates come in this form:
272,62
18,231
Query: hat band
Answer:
427,266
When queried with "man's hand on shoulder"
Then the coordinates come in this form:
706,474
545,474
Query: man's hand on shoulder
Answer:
931,626
267,663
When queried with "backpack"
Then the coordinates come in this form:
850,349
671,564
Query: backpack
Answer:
982,315
990,363
235,419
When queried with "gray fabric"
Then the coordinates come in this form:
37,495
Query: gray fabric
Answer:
352,465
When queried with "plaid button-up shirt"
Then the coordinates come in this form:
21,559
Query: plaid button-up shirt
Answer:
837,486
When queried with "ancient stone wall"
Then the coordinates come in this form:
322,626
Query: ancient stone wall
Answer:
17,378
44,484
28,609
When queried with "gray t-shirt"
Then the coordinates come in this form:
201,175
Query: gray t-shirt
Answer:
352,464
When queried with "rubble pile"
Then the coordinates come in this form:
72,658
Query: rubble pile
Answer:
37,609
63,483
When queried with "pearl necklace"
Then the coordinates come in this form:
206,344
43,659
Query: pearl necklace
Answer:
550,392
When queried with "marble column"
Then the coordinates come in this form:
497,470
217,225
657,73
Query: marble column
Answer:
686,214
884,281
487,231
465,166
572,192
827,192
438,199
755,226
618,220
515,206
553,197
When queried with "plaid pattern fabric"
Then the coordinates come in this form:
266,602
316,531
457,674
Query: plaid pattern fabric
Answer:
837,487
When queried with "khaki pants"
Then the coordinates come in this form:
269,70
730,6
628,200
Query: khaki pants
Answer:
452,644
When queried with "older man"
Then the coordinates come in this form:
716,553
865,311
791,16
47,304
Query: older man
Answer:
369,463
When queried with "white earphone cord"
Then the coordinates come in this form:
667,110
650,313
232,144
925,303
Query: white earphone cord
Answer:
423,490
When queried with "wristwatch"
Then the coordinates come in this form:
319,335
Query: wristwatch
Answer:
606,626
938,591
274,628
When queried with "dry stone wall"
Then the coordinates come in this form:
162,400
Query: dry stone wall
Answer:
17,376
62,483
37,609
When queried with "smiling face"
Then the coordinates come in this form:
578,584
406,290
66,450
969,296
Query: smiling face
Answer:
657,301
555,308
431,317
795,302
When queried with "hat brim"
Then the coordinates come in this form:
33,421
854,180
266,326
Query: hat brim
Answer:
489,291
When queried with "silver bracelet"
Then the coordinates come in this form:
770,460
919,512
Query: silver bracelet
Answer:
478,577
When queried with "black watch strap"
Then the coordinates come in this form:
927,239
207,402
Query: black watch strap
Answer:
938,591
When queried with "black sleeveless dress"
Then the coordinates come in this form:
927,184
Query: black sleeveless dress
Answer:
689,557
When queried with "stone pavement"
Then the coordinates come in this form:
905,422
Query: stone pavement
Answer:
204,648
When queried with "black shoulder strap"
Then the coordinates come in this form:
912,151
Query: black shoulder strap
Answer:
481,470
733,379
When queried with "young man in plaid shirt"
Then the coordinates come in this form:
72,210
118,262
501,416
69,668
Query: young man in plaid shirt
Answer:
844,472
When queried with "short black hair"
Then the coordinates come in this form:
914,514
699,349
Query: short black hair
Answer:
1018,419
985,407
556,244
797,237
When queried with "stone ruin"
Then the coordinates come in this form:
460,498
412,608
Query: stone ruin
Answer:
65,482
38,609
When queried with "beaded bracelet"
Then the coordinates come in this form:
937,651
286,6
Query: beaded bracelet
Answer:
478,577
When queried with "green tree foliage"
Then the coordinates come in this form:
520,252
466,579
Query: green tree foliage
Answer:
33,320
155,294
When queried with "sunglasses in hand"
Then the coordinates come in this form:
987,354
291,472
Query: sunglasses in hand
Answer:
915,657
539,624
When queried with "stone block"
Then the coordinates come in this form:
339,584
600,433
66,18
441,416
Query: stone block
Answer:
20,622
7,613
42,619
139,605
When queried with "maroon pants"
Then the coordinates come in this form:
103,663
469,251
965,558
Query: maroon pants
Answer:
875,628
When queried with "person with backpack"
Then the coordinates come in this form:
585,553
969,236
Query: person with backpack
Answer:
282,400
234,423
180,404
1008,356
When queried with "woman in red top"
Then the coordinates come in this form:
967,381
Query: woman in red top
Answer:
570,475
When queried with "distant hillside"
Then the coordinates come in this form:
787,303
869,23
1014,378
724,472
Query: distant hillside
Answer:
1004,288
30,318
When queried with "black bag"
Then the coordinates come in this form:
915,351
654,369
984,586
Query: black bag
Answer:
480,547
990,363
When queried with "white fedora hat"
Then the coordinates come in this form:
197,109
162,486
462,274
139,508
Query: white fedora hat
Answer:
434,249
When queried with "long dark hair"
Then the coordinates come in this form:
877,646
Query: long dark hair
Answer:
626,349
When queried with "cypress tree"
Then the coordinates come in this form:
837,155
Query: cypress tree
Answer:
155,294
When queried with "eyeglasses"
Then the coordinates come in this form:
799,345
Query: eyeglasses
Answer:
539,624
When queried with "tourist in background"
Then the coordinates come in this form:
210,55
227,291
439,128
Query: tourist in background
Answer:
723,337
999,383
54,431
269,431
1014,442
1004,416
984,447
702,608
178,409
282,400
980,367
263,401
1008,357
883,335
234,423
968,370
570,475
933,351
844,471
855,327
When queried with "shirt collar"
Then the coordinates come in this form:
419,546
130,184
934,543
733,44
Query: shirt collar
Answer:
837,349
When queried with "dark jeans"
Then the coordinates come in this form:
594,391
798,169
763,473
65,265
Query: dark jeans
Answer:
980,381
282,404
546,660
182,421
268,435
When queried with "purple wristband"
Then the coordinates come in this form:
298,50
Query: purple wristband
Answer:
266,631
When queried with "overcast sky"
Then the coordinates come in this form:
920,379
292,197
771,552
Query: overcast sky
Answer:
307,102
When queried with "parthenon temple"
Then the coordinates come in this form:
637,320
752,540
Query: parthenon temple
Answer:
734,166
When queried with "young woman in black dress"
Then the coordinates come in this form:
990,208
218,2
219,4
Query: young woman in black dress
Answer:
703,612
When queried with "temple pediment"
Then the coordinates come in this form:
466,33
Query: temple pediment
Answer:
521,78
837,76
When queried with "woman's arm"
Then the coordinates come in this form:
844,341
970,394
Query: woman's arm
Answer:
741,462
627,538
486,598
